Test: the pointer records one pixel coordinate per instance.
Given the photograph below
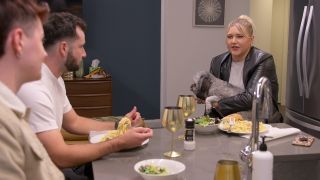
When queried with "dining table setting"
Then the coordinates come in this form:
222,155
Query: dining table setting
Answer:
210,148
186,148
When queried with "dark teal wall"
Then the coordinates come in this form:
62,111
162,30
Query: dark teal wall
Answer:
125,36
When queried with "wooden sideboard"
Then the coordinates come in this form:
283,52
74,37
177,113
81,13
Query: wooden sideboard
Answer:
90,97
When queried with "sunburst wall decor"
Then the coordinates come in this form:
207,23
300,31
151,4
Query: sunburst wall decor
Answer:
209,13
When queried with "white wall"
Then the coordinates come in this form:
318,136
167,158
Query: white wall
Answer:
261,14
271,18
279,43
185,49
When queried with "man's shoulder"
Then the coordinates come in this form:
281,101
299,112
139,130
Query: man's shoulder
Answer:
30,89
34,92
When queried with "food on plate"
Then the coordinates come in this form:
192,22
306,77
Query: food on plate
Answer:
237,117
124,125
153,169
204,121
241,126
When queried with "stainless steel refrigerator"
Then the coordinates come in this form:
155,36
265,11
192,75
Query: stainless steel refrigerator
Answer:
303,75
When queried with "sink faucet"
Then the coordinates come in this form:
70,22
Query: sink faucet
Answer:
262,100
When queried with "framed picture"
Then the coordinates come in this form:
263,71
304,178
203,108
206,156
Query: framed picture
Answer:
208,13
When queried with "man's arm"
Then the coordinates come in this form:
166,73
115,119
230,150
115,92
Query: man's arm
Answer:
64,155
76,124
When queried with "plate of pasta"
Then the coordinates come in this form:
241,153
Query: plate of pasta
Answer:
241,126
101,136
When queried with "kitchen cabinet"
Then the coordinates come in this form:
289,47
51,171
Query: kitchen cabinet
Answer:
90,97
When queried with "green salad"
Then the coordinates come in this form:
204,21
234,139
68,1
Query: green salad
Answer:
204,121
152,169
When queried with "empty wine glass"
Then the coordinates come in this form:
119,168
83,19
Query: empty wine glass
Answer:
172,120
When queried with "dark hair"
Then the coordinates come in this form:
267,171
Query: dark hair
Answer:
61,25
15,13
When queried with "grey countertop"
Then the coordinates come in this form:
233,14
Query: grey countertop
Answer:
290,162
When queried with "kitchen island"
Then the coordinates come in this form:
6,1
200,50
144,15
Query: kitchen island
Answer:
290,162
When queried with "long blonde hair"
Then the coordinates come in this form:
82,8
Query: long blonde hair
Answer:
244,24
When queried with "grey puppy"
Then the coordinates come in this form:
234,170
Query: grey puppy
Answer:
211,89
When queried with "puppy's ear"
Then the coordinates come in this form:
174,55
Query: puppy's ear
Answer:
193,87
203,87
206,83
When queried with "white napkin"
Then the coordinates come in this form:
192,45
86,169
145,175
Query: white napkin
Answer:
275,133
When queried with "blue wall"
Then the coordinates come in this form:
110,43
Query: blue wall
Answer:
125,36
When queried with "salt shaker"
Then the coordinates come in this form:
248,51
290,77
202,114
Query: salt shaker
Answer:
189,136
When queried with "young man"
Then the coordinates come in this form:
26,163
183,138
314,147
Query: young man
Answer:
21,55
51,110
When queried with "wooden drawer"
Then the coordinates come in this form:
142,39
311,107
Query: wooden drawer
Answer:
82,100
94,111
90,97
85,87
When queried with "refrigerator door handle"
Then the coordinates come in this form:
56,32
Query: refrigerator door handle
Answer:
298,52
304,54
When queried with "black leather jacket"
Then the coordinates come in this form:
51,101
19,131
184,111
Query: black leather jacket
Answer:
257,64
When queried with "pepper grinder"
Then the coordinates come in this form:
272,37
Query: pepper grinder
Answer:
189,138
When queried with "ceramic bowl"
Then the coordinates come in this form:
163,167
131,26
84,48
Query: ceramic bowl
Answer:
206,129
175,169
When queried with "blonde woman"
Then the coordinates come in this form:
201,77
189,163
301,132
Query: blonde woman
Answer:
242,66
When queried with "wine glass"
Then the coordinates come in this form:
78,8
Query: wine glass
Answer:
227,170
188,105
172,120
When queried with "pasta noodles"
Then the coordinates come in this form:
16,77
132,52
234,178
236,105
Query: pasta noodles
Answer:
124,125
242,126
237,117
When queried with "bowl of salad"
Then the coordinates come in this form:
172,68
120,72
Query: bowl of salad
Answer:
206,125
160,169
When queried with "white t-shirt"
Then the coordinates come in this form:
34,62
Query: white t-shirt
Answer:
47,99
236,74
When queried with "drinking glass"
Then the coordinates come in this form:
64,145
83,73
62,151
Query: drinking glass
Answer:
172,120
227,170
188,105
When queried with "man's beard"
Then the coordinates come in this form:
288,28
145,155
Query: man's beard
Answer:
71,64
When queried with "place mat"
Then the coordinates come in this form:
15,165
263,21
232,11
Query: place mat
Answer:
276,133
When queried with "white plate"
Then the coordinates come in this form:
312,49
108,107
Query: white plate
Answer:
96,136
220,126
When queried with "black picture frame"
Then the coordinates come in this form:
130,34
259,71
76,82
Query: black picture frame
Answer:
208,13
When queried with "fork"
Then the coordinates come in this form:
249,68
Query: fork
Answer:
231,124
